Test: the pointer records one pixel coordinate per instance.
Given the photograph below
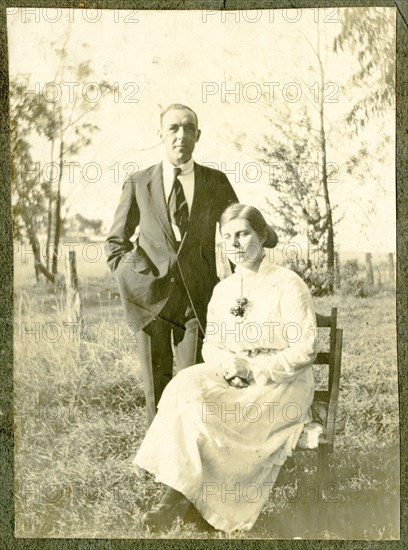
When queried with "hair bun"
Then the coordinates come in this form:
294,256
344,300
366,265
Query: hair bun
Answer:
271,238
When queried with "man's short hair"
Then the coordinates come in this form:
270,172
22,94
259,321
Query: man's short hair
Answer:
179,107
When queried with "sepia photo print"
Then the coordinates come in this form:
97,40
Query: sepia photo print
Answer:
204,230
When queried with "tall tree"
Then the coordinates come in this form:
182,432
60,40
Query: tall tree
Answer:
323,163
65,124
294,175
74,133
371,38
30,116
312,145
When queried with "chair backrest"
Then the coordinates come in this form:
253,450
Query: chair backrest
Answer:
325,401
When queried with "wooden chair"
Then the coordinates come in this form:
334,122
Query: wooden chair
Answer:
325,401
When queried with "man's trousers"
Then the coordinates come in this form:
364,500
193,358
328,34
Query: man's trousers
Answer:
176,328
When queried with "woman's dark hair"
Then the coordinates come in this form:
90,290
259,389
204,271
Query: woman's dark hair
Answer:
255,219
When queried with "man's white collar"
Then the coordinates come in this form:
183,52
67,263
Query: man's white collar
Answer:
186,168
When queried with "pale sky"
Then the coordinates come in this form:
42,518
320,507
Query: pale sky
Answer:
195,57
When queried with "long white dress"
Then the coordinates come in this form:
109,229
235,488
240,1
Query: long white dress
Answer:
221,446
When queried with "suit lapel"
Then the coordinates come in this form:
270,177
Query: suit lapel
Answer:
198,191
156,191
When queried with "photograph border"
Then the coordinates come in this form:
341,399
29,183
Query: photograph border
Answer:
7,538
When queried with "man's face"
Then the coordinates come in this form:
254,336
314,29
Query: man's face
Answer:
179,133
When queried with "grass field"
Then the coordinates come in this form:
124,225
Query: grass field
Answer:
80,418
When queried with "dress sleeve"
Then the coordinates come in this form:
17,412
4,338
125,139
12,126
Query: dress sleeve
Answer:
298,328
213,350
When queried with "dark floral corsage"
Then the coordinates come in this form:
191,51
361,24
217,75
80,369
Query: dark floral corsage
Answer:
241,308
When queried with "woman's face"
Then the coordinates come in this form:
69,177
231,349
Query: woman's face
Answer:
242,243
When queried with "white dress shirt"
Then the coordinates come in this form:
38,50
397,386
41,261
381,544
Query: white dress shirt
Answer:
186,178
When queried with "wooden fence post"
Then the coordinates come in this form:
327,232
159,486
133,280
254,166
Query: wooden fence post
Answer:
337,280
379,270
369,269
391,273
74,312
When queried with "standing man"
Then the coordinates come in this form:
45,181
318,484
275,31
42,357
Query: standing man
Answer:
166,279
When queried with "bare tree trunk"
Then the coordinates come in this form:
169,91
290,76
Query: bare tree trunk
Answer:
50,205
35,245
57,231
57,228
49,226
30,228
323,157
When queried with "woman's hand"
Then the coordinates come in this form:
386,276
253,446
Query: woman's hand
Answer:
236,371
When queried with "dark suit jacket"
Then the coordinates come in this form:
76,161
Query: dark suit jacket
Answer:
145,272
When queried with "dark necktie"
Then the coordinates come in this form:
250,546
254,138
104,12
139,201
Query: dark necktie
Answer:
178,209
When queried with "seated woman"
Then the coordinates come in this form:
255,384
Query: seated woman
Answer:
225,427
